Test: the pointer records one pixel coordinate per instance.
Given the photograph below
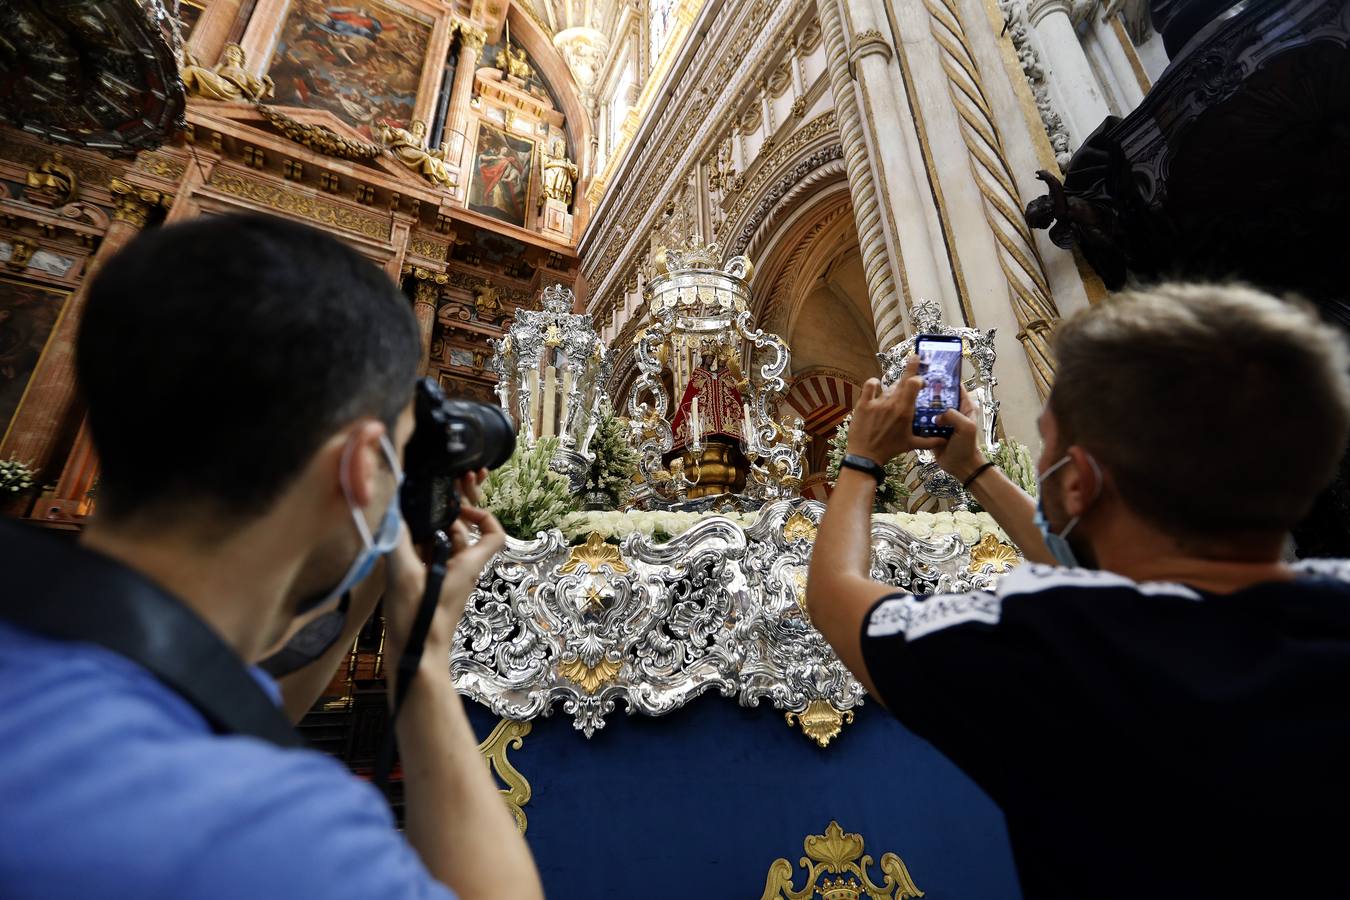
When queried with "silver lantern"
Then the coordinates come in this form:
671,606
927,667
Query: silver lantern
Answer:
551,368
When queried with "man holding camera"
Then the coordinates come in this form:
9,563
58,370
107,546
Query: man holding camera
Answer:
249,384
1164,713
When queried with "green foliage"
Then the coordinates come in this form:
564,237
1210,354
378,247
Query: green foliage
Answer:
616,460
892,492
15,477
526,495
1016,461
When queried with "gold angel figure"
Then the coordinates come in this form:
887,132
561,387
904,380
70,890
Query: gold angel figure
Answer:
410,148
229,80
560,175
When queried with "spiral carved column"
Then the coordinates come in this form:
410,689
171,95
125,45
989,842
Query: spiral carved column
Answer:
1028,287
887,315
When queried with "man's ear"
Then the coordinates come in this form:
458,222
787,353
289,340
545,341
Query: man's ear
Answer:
1081,484
355,458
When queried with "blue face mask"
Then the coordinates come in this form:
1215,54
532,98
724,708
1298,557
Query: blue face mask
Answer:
316,638
373,546
1058,544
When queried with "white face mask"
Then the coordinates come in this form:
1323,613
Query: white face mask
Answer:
1058,544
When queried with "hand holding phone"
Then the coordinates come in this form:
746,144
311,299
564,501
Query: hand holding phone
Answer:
940,368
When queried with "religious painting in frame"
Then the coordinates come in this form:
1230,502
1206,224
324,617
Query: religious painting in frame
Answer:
362,62
502,168
28,316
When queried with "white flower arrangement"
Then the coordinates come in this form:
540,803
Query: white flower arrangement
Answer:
1016,461
615,526
526,495
16,477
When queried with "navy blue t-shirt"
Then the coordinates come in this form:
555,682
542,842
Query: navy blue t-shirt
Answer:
1143,740
111,785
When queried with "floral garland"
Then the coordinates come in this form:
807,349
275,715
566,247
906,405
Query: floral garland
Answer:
615,526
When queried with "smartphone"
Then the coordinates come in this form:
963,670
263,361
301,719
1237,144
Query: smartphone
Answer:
940,368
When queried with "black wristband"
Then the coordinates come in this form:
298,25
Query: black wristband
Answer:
978,472
863,464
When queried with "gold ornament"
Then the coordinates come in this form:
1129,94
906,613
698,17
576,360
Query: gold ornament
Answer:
593,554
509,734
589,678
841,855
799,527
992,553
820,721
319,138
52,182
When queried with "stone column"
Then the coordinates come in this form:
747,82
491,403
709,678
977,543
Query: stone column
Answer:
471,42
51,398
892,202
264,24
213,30
426,297
766,104
1071,76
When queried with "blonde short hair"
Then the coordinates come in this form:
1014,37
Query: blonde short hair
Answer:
1217,409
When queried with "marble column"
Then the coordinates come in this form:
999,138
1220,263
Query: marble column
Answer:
426,295
264,24
1071,76
51,399
213,30
893,205
471,42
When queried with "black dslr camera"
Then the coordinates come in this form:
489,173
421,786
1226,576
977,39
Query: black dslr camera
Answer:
451,439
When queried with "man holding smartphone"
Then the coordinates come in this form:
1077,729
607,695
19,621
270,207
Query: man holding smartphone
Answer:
249,383
1156,699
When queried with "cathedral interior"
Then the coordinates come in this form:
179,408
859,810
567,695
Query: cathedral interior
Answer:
737,207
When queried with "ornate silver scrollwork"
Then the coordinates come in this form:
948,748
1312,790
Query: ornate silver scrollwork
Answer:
978,348
655,624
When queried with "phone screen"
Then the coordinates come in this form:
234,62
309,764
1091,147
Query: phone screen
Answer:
940,368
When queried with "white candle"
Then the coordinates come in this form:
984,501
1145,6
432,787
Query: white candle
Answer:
550,400
695,431
533,382
749,425
563,402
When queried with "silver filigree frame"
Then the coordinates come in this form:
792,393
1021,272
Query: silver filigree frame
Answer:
653,625
978,347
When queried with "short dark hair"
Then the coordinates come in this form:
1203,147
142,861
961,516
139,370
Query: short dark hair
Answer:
1183,392
216,356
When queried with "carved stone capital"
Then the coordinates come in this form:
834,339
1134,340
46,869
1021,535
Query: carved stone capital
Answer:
471,38
1039,10
869,42
132,204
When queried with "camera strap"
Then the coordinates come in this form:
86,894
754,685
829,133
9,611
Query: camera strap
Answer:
412,652
70,593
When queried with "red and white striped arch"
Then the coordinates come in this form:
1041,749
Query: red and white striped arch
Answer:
822,400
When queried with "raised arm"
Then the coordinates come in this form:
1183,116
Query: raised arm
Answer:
456,820
1012,509
839,589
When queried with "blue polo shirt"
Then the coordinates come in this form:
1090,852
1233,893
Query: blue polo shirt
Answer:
111,785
